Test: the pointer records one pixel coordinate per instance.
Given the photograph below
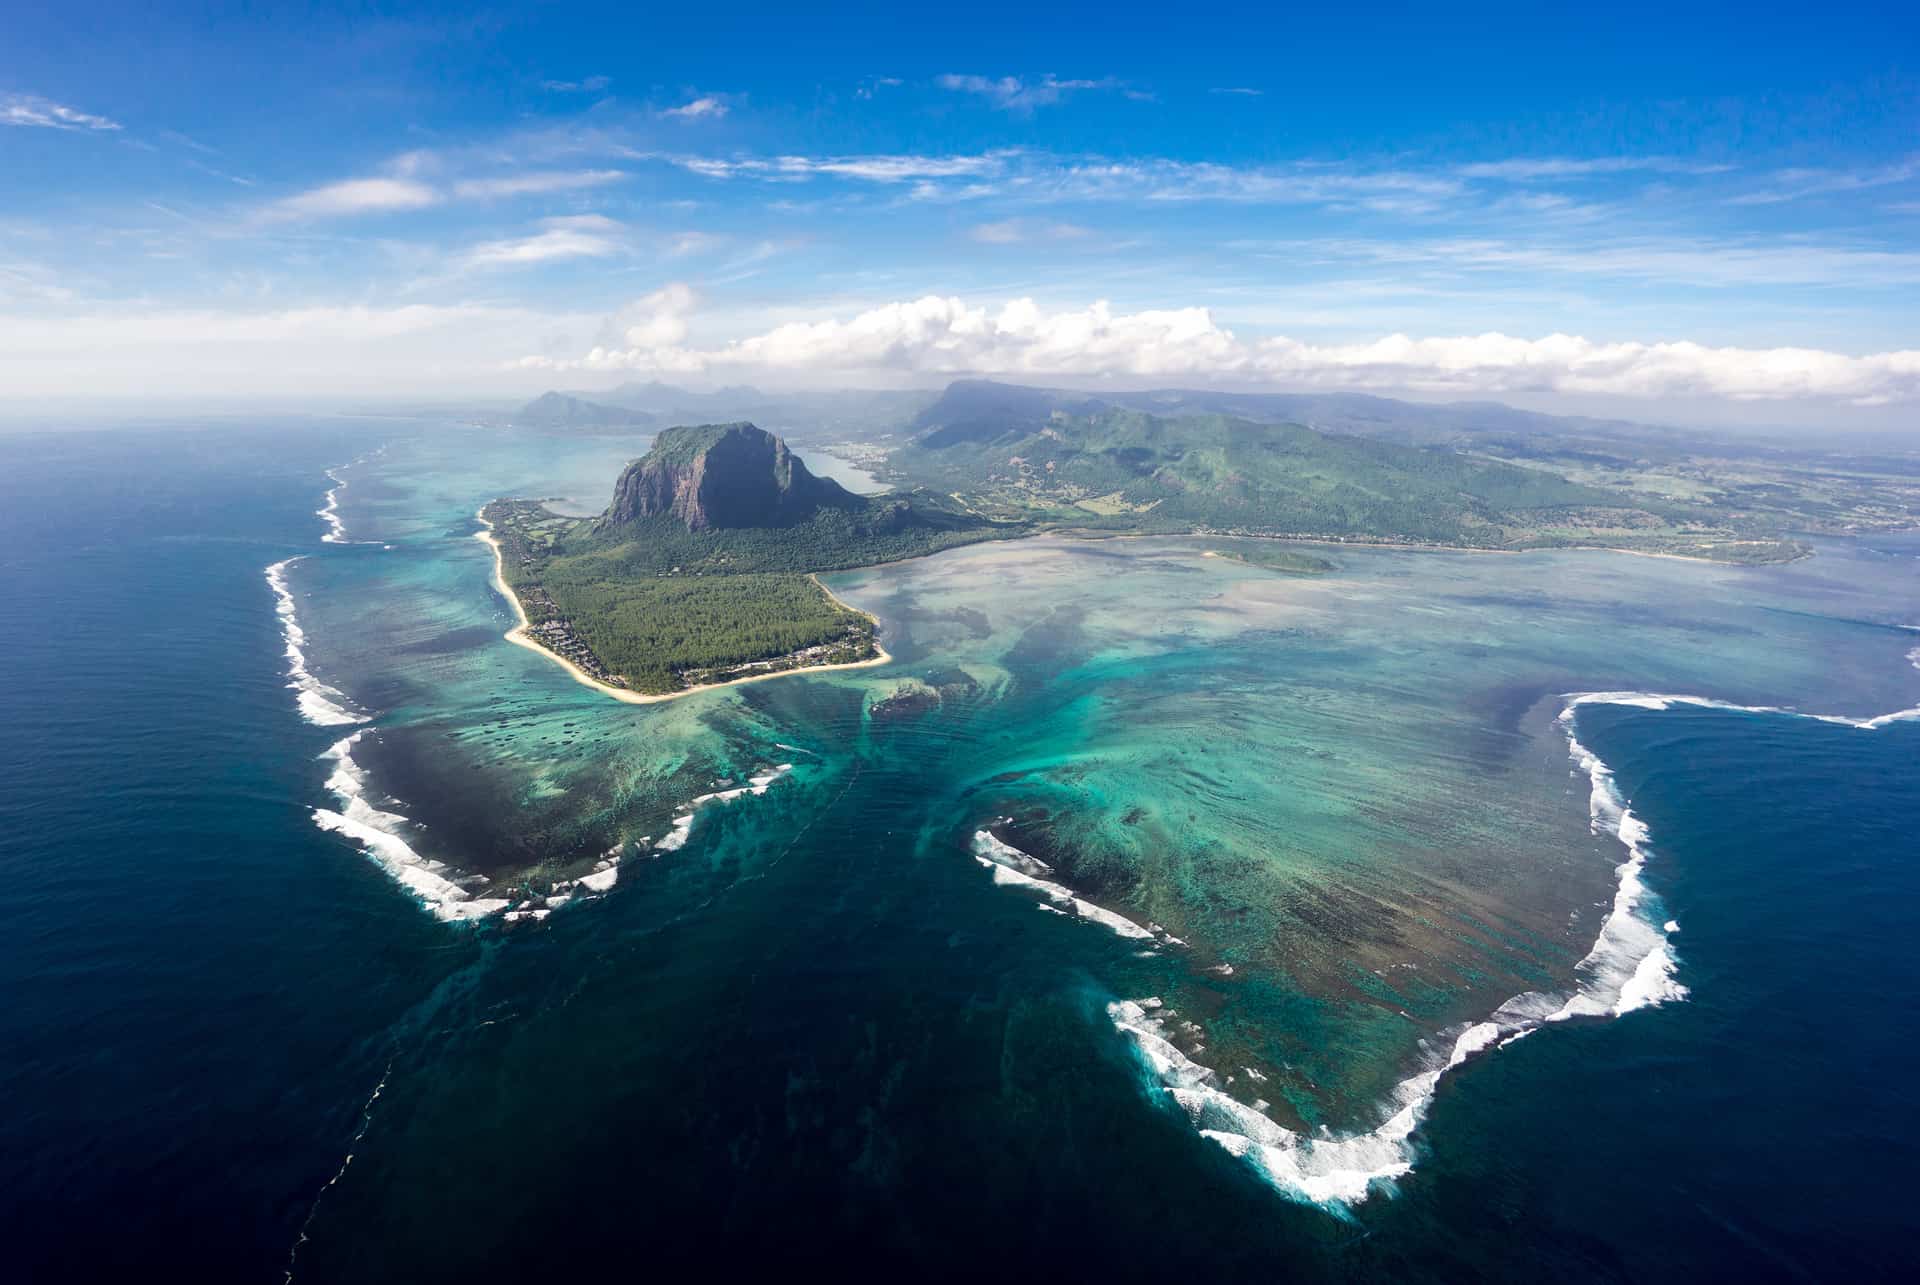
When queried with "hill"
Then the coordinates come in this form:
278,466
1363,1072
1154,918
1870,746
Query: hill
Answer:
1094,463
558,410
1640,486
700,570
722,475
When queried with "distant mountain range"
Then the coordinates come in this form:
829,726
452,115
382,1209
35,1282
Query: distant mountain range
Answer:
968,404
561,410
1065,455
869,413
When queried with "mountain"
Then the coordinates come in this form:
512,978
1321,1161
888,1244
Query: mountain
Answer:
1062,454
835,414
559,410
701,569
662,399
978,409
719,476
730,498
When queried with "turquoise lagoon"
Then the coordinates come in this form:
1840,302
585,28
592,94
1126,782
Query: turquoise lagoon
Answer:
1149,913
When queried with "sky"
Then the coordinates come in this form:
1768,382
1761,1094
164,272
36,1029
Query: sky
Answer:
1673,212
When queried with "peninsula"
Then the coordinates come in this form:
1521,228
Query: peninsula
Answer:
701,572
703,568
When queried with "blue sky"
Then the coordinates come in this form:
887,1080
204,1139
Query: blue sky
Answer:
1703,212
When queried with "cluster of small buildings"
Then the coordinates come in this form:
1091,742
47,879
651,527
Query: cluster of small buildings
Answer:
818,654
557,636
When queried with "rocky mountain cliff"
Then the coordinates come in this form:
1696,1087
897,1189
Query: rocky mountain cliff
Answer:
720,476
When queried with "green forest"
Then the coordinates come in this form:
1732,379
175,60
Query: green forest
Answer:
702,569
661,632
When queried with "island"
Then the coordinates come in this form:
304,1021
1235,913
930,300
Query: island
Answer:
703,570
704,567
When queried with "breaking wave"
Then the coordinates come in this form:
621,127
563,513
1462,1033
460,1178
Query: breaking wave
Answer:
336,532
1631,966
320,704
1658,700
682,828
1012,868
432,882
329,510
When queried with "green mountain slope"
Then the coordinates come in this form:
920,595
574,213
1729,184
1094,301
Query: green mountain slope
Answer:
1125,467
700,568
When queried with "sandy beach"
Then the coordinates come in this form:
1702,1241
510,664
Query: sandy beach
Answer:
519,638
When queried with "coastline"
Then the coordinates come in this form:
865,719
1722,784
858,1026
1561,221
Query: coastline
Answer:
1422,547
518,637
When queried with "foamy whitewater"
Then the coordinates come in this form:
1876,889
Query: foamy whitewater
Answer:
1631,966
682,828
319,704
329,510
1012,868
378,834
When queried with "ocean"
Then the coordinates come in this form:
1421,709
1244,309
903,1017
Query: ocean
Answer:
1150,914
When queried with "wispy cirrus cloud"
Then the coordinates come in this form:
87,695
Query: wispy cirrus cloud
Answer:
1022,97
418,181
1019,231
1799,184
377,195
706,107
31,110
1241,91
1523,169
1040,177
872,169
585,85
585,236
1051,179
535,182
1716,263
949,336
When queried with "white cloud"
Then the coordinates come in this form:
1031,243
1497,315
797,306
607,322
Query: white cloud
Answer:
535,183
404,186
1040,177
1391,191
355,196
661,318
696,242
586,236
1240,90
1011,94
948,336
1731,263
1017,231
588,85
871,169
1528,168
1797,184
705,108
325,350
33,110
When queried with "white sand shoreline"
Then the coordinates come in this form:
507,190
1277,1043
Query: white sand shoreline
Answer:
519,637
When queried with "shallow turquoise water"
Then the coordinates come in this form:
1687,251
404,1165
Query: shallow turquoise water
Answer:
821,1023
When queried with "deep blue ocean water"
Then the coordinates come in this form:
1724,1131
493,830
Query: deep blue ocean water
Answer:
211,1005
